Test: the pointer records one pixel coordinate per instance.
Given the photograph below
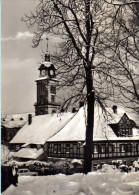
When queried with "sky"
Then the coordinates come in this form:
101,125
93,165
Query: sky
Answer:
19,61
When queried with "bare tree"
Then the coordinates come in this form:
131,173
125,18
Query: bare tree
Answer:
125,51
84,60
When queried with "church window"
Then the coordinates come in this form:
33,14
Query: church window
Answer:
53,98
42,89
42,100
53,89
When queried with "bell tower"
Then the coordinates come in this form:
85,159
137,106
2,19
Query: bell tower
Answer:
46,88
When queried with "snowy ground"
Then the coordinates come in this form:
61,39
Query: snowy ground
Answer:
95,183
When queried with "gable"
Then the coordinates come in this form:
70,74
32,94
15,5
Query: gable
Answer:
125,120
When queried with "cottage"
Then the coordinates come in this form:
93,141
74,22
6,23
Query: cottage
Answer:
30,141
115,137
10,125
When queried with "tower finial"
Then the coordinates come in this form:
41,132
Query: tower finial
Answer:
47,45
47,55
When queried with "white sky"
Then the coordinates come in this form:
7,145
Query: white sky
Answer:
19,61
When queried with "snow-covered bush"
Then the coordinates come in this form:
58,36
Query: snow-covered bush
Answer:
136,165
64,166
117,163
6,155
124,168
107,168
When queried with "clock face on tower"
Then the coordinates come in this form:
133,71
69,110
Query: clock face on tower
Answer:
43,72
52,72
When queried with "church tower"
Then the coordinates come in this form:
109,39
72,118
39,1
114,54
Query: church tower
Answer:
46,88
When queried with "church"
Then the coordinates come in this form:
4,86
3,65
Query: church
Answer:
46,89
55,134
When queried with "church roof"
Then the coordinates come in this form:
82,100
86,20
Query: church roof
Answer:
42,128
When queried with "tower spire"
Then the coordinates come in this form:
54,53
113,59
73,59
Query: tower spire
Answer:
47,55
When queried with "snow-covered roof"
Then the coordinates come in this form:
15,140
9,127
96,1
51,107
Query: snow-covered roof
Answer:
15,120
133,116
31,153
115,117
47,64
75,130
42,128
46,77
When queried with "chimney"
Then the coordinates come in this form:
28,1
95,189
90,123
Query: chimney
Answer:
73,110
81,104
114,109
29,119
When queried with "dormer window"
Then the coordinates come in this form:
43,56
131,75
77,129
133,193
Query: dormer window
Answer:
125,130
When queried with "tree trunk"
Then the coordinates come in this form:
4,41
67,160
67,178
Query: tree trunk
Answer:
90,124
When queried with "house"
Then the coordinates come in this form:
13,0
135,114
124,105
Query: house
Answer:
63,136
30,141
109,142
10,125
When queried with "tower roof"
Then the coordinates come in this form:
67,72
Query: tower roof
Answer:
46,65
